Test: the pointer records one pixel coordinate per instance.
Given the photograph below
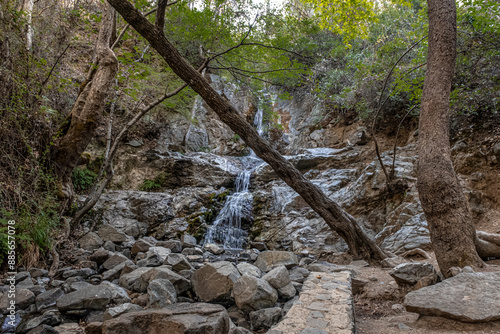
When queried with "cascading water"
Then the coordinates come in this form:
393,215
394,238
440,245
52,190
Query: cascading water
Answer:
227,229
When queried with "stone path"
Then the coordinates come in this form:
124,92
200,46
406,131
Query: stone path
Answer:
325,306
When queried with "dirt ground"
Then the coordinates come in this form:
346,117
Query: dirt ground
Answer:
379,309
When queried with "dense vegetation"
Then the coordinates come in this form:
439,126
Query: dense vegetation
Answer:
343,57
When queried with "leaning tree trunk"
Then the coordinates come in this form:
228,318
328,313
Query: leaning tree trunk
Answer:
78,128
445,205
341,222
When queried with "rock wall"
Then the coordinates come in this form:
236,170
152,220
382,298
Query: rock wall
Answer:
338,158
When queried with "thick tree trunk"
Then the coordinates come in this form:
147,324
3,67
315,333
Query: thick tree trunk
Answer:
341,222
446,208
78,128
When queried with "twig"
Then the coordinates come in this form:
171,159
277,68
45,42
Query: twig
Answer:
380,106
52,70
393,168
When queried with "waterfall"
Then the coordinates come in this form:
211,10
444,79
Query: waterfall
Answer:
227,229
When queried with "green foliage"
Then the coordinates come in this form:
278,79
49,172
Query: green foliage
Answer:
83,178
156,184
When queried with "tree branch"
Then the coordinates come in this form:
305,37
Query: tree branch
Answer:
160,14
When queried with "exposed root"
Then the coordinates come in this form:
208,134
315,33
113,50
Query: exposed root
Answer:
416,251
63,236
488,244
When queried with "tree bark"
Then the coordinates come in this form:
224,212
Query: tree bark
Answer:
445,206
78,128
340,221
28,10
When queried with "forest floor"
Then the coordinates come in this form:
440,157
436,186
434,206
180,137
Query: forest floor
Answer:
379,309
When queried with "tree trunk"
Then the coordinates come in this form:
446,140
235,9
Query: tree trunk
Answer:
78,128
341,222
446,208
28,10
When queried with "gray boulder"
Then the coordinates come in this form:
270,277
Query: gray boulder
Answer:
265,318
287,292
138,280
214,249
411,273
272,259
277,277
470,297
155,256
43,329
188,241
48,298
24,298
114,260
161,293
109,233
116,311
93,297
182,318
90,241
118,294
214,282
178,262
174,245
251,294
140,246
248,269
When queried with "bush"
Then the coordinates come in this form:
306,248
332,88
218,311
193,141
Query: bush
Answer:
83,178
156,184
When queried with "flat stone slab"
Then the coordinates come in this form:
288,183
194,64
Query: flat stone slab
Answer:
325,306
470,297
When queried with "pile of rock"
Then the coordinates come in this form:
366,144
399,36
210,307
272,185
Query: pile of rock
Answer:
146,283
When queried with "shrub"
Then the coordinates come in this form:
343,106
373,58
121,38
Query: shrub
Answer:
83,178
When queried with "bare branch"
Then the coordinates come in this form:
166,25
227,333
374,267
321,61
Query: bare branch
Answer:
396,140
52,70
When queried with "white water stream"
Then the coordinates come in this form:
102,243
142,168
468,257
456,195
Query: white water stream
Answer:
226,229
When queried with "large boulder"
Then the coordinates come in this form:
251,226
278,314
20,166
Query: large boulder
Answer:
248,269
272,259
178,262
251,294
48,298
411,273
109,233
265,318
161,293
90,241
92,297
155,256
23,298
116,311
214,282
470,297
138,280
277,277
180,318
